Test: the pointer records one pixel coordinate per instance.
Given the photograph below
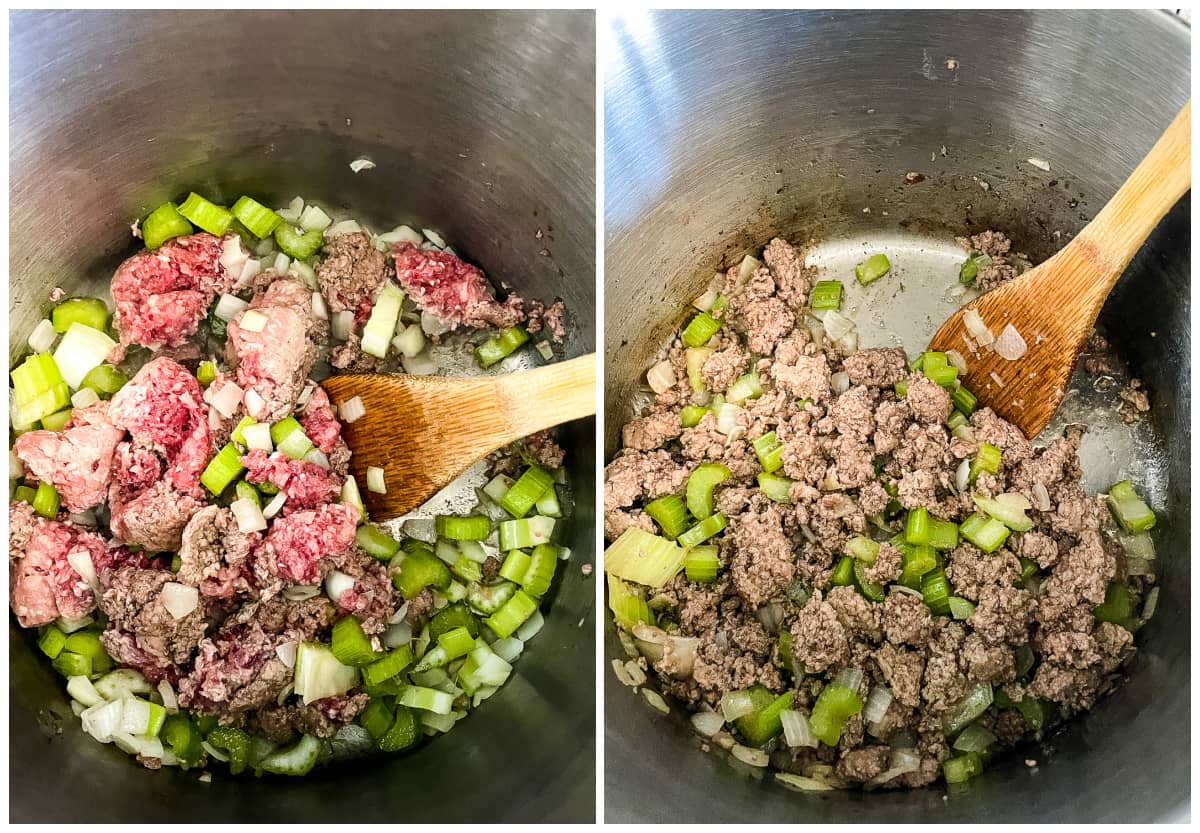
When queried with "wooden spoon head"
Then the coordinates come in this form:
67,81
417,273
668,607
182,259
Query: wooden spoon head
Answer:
423,431
1052,315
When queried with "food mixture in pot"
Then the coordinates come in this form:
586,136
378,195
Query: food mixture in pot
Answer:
184,532
846,568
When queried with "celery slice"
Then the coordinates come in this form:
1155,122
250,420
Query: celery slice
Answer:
164,223
643,558
627,605
381,326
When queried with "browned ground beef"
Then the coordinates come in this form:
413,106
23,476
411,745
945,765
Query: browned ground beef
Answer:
859,459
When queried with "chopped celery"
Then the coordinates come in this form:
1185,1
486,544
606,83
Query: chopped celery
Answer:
206,373
244,491
863,549
1117,606
51,641
500,346
917,528
401,734
215,219
549,505
704,530
964,401
872,590
701,564
375,542
486,599
296,760
943,535
46,501
935,590
769,451
234,742
72,665
427,699
388,666
89,311
763,723
1130,511
289,438
223,469
523,533
505,621
670,514
843,572
452,616
700,485
986,459
695,358
163,224
826,295
300,246
745,387
38,389
700,329
627,604
463,527
58,420
986,533
775,486
351,645
872,269
539,576
1008,508
514,566
105,380
182,737
691,415
966,710
256,217
381,326
419,570
529,488
466,569
915,562
960,608
962,768
456,642
834,706
376,718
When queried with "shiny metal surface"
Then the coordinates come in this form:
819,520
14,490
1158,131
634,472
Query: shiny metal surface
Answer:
483,127
725,129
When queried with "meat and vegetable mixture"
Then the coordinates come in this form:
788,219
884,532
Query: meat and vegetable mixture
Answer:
184,532
846,568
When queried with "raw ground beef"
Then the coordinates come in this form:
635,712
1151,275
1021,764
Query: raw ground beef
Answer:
350,273
306,484
161,295
451,289
76,461
858,460
319,422
213,555
43,584
299,547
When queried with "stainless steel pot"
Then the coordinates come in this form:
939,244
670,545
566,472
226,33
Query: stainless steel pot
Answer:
482,126
725,129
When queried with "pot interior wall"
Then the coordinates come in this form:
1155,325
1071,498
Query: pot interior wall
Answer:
482,127
726,129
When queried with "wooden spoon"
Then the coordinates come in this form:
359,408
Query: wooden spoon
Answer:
424,431
1054,306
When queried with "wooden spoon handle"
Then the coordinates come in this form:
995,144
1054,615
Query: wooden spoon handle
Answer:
1156,184
550,395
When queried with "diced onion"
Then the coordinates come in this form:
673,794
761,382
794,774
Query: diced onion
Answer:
341,323
306,273
421,364
72,625
274,505
508,649
836,324
802,783
410,341
336,584
1041,498
16,469
253,321
661,377
233,256
43,336
1138,567
286,652
1151,604
727,419
973,321
214,753
1040,164
180,599
753,757
281,263
735,704
375,480
312,218
255,404
707,723
434,238
532,625
258,437
167,693
840,382
81,562
227,399
545,349
398,635
704,302
362,164
656,701
1010,345
301,592
352,410
249,517
432,325
850,678
877,704
903,762
962,475
423,529
956,358
250,270
402,234
228,306
102,721
81,349
797,731
344,227
84,397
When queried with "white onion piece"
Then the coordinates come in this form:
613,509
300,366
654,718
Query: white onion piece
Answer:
753,757
802,783
233,256
214,753
771,617
531,627
402,234
43,336
81,562
292,212
274,505
903,761
956,359
996,378
337,583
661,377
848,343
900,588
434,238
432,325
376,481
421,364
1151,604
735,704
312,218
1010,345
258,437
306,394
851,678
840,382
401,611
16,469
167,693
1041,498
317,458
286,652
252,321
362,164
214,419
962,475
423,529
410,340
1040,164
508,649
318,307
248,516
341,324
227,399
102,721
179,599
228,306
80,350
72,625
797,731
352,410
836,324
344,227
306,273
704,302
707,723
727,419
250,271
84,397
398,635
281,263
302,592
973,321
656,701
747,268
877,704
255,404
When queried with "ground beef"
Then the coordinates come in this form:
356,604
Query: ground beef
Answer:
319,422
544,448
760,557
161,295
299,547
306,485
235,671
132,600
349,356
350,273
551,318
878,367
649,432
902,669
154,518
76,461
274,361
420,609
928,401
321,718
454,291
805,378
214,554
722,368
819,639
371,599
42,583
862,764
792,279
887,566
